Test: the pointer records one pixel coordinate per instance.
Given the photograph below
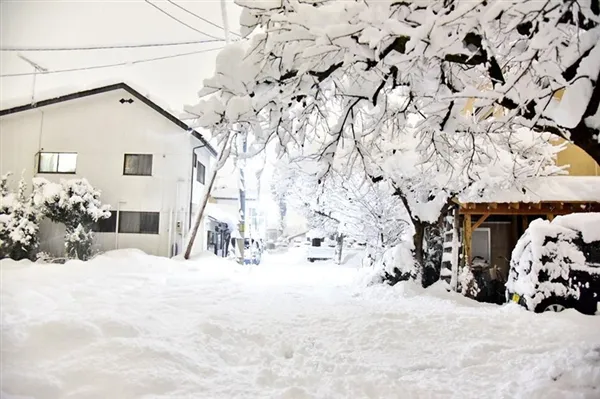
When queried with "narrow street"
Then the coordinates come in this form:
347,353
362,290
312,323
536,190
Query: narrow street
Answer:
128,325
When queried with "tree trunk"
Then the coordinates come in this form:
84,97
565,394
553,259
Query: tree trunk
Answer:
418,239
339,248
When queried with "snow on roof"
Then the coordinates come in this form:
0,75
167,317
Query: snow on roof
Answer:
222,215
232,192
548,188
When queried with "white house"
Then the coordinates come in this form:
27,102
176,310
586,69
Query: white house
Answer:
150,166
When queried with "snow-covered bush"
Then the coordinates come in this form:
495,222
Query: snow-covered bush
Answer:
468,283
76,204
545,254
397,264
19,222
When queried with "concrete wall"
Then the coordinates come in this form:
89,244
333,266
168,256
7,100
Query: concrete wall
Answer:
101,130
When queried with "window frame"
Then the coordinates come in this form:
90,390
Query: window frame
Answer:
200,166
121,218
137,174
58,153
96,225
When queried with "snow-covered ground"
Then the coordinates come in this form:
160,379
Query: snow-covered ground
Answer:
128,325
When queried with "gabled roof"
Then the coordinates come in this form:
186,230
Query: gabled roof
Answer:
104,89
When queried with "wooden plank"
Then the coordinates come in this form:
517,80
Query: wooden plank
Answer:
480,221
468,229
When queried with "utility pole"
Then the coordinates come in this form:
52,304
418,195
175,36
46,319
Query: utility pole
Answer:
37,68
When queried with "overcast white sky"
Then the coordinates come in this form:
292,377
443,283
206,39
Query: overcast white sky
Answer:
176,81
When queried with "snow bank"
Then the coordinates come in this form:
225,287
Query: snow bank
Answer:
129,325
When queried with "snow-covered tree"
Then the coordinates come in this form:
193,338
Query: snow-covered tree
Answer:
19,222
76,204
348,206
512,60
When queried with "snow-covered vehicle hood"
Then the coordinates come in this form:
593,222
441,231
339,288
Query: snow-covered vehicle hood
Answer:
545,254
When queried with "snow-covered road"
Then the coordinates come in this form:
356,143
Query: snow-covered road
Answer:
127,325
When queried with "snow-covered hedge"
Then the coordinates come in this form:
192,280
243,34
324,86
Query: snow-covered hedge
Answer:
542,258
19,222
75,203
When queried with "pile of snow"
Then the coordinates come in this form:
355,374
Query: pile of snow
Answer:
128,325
551,248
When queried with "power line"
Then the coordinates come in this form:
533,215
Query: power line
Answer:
199,17
116,46
110,65
180,21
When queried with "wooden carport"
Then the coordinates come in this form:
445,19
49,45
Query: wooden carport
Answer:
475,214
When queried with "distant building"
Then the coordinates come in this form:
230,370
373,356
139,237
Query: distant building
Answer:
150,166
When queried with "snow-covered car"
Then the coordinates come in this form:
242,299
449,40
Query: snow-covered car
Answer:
556,265
319,250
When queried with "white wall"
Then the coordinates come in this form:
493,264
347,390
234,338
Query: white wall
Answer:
101,130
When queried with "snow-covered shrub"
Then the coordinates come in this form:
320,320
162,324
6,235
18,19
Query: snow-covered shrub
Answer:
468,283
19,222
79,242
397,264
76,204
545,254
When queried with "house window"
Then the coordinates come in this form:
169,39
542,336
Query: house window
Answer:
137,165
200,172
481,244
57,162
108,225
138,222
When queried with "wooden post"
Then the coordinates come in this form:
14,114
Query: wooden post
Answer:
514,230
550,217
468,229
525,222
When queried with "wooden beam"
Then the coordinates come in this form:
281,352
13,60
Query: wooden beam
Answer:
550,217
480,221
542,208
468,229
492,205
